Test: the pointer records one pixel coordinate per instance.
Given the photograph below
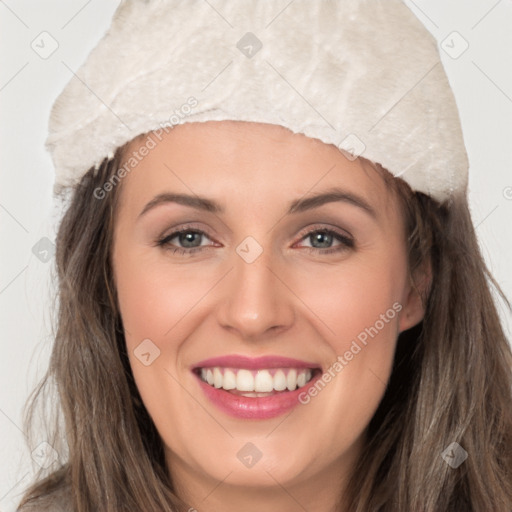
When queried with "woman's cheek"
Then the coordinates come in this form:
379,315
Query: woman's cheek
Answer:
154,293
350,298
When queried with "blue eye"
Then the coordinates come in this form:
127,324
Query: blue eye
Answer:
189,241
322,241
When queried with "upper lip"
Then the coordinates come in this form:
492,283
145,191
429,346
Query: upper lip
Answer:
254,363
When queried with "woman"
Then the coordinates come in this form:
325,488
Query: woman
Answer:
266,300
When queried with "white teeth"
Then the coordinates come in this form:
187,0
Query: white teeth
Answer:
263,382
279,381
258,381
244,380
229,380
291,380
217,378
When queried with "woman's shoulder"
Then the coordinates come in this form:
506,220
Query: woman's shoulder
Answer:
56,501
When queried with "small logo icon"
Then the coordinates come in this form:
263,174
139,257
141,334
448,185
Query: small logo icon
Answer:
249,45
454,45
249,249
44,45
352,146
146,352
249,455
44,249
454,455
44,455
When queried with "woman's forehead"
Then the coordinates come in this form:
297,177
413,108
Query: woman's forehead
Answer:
251,168
252,157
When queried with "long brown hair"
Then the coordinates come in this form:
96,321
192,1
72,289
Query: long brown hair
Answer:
451,381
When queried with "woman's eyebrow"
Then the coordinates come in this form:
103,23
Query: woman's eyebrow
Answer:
331,196
200,203
296,206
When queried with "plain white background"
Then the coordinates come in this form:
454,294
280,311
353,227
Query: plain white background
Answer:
30,80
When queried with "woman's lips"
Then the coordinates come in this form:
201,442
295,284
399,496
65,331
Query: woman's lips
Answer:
255,388
255,363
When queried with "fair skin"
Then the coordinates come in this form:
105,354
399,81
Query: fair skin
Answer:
295,300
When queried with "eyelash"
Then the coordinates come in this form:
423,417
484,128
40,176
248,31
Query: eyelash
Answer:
346,242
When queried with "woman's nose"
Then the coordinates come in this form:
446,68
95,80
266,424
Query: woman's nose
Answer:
255,302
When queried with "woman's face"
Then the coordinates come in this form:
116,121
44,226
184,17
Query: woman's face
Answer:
290,272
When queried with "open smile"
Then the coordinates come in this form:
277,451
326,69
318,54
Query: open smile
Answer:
255,388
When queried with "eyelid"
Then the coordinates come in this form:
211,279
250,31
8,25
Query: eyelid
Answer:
346,239
172,232
325,228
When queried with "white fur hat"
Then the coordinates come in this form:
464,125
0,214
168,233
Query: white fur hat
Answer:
364,75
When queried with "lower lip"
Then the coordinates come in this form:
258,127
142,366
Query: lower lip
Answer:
255,408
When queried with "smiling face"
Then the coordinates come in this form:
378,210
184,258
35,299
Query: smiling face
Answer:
290,271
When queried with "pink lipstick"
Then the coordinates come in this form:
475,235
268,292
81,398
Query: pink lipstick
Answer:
255,388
